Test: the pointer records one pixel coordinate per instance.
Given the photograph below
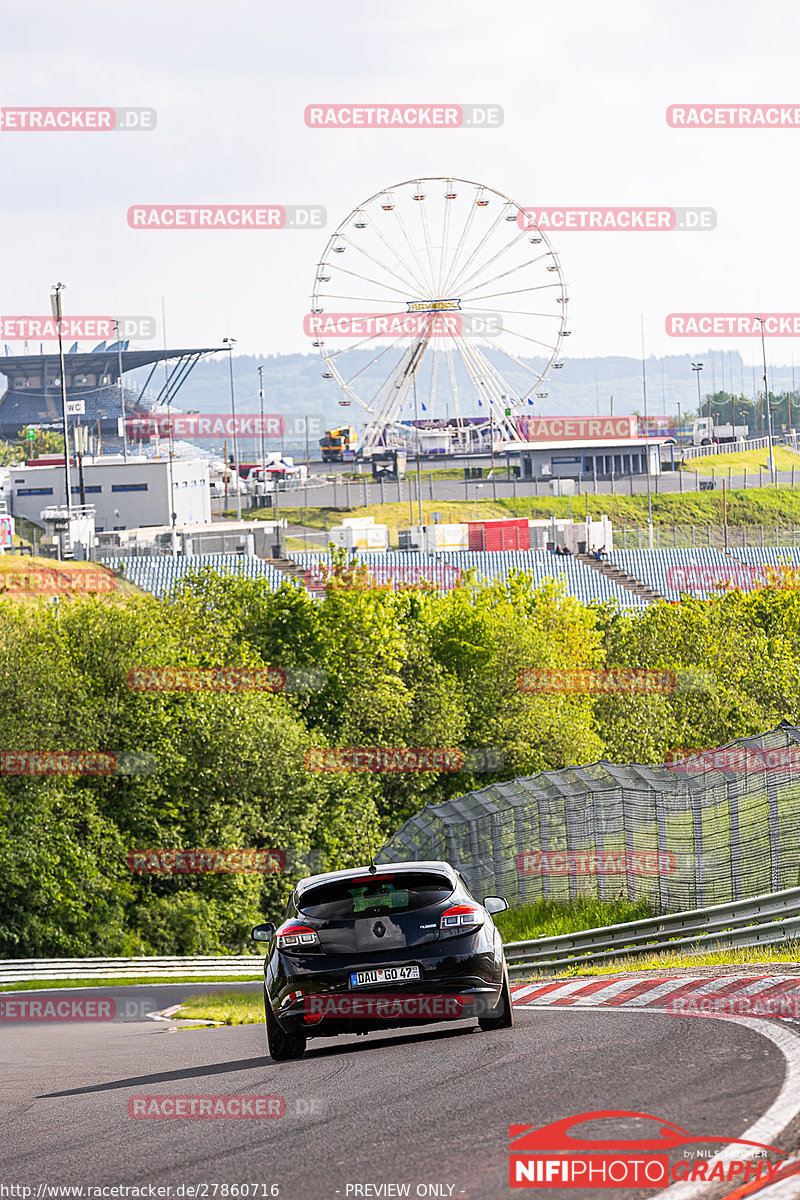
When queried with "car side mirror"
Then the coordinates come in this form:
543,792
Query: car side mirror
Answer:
494,904
263,933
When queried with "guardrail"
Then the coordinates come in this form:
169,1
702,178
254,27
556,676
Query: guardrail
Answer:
34,970
761,921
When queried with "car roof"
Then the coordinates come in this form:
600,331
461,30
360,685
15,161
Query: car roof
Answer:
380,869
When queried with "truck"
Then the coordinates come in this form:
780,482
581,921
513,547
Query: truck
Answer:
705,430
338,444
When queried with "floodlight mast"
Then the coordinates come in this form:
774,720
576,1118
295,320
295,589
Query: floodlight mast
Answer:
58,316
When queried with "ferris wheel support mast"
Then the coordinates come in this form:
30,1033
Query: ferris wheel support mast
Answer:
398,387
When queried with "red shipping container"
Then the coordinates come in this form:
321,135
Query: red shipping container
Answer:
513,534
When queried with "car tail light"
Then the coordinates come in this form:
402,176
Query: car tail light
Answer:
460,918
297,937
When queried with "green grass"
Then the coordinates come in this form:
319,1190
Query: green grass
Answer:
226,1008
670,959
550,918
765,506
718,464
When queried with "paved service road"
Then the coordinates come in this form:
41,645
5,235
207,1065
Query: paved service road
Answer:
428,1107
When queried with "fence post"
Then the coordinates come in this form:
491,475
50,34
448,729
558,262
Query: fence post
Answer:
745,479
383,493
759,475
696,480
709,534
762,537
675,536
366,493
680,480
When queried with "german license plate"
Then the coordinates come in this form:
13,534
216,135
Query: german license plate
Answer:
383,975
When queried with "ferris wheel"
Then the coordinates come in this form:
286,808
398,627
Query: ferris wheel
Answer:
436,303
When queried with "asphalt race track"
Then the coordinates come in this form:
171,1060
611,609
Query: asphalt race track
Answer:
427,1107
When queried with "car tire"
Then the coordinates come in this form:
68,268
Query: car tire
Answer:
503,1016
282,1046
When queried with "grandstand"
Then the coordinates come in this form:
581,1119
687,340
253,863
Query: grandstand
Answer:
671,573
34,387
159,574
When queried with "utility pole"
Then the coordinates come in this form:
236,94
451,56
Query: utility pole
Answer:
121,396
697,368
231,342
766,397
55,300
419,469
647,447
263,445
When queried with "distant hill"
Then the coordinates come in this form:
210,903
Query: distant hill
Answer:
293,386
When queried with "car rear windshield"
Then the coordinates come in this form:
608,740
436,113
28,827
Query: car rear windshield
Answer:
399,892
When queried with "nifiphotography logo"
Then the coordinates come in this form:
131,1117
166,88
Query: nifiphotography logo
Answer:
550,1156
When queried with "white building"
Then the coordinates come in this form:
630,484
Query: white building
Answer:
126,495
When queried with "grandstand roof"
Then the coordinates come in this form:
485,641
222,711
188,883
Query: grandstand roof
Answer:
99,361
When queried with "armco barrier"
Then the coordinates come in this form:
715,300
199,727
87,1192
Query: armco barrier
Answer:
21,970
761,921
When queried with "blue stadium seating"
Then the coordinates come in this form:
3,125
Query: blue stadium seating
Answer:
159,573
699,571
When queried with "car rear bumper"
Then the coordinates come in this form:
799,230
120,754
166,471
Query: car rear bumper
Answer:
321,1003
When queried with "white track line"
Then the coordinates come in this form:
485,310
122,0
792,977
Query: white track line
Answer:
766,1129
784,1189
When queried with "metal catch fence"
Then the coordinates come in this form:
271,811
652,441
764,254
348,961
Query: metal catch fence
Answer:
717,827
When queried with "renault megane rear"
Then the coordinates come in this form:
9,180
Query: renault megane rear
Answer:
375,947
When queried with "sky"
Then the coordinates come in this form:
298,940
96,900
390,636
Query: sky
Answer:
584,89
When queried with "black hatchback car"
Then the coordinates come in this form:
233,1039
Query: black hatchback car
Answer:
380,946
